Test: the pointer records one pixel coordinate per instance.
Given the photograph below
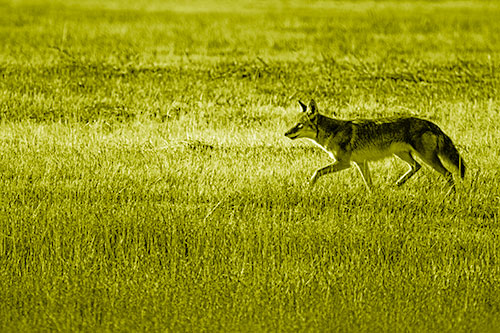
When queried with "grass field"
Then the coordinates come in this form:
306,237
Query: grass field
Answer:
146,185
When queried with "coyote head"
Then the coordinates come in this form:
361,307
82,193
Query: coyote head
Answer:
306,126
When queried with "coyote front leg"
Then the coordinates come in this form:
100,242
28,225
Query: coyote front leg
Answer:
334,167
414,167
365,174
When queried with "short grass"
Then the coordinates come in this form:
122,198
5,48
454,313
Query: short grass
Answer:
146,184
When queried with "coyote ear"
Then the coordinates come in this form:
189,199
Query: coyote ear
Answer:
304,107
312,107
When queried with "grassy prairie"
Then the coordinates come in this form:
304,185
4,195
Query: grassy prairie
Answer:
146,185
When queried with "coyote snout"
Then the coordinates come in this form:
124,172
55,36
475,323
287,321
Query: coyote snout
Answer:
363,140
300,131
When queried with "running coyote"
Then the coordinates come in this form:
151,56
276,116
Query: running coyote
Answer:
363,140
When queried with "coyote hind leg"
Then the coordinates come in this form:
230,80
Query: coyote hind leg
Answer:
414,167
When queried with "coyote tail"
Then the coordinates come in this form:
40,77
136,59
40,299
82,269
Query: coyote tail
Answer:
448,152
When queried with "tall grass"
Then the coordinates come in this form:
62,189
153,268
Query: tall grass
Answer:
146,184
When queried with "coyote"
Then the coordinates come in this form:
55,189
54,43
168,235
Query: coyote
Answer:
363,140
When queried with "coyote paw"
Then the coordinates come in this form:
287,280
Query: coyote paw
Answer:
313,180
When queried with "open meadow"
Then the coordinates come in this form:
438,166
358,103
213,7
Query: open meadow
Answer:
146,184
